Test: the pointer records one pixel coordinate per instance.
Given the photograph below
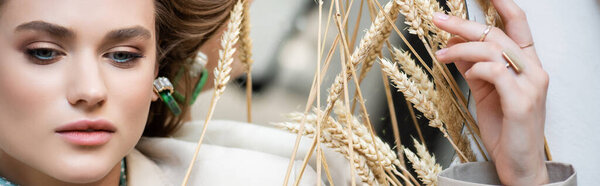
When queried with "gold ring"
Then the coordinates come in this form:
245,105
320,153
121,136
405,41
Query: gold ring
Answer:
485,33
512,61
527,45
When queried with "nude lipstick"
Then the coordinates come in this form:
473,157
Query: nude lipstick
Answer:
87,132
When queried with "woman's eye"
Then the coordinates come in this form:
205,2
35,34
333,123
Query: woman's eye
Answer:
44,54
122,57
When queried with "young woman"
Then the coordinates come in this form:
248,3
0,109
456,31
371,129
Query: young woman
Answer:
76,94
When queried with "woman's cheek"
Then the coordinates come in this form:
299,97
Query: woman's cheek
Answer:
131,94
30,94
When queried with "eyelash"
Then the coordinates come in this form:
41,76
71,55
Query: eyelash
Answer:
34,55
132,57
54,55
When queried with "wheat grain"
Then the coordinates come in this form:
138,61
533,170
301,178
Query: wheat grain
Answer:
417,74
369,47
245,55
221,72
334,138
457,8
392,9
412,94
425,166
245,52
228,41
380,158
426,9
411,17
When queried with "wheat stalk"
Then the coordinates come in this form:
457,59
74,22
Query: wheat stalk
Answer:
441,100
425,166
411,17
417,74
393,10
427,8
370,45
336,137
221,72
412,93
245,55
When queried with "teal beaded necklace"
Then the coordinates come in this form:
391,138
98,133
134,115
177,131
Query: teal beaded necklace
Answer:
122,178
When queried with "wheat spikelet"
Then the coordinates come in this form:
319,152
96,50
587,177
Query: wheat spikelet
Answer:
221,72
457,8
385,155
454,124
417,74
392,9
441,100
334,92
411,17
245,55
426,9
380,158
412,94
368,50
424,165
245,52
228,41
332,137
335,134
450,115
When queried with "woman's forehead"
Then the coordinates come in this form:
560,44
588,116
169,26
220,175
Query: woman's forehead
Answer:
89,16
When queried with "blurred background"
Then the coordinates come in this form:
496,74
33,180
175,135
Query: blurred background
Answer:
284,33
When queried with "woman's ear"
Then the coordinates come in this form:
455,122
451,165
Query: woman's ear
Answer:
154,96
156,66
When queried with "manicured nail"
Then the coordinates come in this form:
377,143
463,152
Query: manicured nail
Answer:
441,52
441,16
468,75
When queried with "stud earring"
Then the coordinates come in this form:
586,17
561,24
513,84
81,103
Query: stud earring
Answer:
164,88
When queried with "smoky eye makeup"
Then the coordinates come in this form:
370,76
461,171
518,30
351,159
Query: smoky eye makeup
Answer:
124,56
43,53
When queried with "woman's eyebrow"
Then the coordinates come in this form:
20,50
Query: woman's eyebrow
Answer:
128,33
52,29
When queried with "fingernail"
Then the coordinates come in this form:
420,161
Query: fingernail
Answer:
441,52
468,74
441,16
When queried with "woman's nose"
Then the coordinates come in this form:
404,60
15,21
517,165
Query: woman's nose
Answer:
87,88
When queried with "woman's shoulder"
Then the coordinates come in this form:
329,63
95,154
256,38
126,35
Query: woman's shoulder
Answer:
216,165
228,157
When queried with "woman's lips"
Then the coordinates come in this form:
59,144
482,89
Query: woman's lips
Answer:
87,132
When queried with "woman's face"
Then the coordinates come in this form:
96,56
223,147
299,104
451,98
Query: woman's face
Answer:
75,85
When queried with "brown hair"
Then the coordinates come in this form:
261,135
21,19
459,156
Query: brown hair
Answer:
182,26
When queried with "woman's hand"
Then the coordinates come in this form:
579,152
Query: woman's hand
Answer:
511,107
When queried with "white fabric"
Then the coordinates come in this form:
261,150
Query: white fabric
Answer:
233,153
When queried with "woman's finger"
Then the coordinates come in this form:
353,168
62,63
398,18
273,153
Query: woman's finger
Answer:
501,77
470,52
461,66
469,30
515,22
455,40
473,31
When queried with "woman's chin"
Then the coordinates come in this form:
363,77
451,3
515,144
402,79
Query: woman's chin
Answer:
83,171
